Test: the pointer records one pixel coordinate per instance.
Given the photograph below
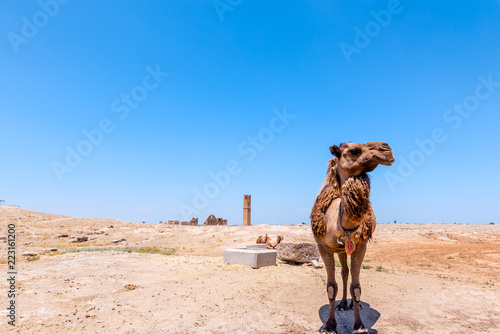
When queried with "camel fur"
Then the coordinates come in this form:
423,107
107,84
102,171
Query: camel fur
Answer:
343,209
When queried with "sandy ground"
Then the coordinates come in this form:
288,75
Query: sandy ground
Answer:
430,279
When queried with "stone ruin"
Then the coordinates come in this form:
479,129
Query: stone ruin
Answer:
173,222
212,220
193,222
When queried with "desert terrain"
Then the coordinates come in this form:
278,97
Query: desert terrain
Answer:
154,278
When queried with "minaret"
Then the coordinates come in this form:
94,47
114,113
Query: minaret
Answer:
247,204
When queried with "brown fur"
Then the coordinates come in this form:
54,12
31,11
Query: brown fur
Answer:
356,197
323,201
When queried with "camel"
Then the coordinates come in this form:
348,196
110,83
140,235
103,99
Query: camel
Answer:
343,221
272,244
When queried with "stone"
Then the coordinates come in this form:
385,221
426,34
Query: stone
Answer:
303,252
316,264
3,239
257,246
119,240
30,254
79,239
255,258
53,250
63,236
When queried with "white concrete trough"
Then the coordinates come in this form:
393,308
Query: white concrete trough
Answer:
254,256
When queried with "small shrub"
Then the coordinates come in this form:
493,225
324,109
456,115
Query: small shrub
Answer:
366,266
450,257
380,268
492,223
32,258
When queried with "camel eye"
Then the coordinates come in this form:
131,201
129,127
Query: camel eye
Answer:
355,151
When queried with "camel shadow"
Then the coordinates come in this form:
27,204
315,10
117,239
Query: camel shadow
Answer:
369,317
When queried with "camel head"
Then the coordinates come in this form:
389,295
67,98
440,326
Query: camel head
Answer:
353,159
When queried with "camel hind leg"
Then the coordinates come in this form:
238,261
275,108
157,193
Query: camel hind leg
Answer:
345,275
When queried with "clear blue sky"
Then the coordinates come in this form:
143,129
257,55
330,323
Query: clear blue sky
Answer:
174,92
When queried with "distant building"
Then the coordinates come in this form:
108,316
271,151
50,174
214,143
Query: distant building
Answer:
212,220
193,222
173,222
247,210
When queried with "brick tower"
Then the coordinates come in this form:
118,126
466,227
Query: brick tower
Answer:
247,204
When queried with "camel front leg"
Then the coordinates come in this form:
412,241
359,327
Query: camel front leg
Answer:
356,261
331,287
345,275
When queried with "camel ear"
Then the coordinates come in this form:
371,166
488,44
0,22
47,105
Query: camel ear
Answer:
335,150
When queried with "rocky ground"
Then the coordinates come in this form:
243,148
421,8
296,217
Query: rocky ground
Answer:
159,279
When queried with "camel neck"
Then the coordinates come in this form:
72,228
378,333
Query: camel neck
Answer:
355,201
345,223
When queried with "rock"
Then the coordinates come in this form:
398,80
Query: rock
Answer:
30,254
63,236
3,239
118,240
53,250
303,252
316,264
79,239
130,287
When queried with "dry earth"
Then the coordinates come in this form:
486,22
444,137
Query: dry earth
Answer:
423,279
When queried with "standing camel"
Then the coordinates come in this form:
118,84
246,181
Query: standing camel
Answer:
343,221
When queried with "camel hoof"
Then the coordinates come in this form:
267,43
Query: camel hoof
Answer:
325,331
360,331
342,306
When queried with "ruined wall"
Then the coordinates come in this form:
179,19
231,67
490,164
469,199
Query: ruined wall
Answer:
192,222
212,220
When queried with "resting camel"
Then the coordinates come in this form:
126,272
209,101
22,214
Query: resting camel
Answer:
343,221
